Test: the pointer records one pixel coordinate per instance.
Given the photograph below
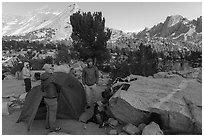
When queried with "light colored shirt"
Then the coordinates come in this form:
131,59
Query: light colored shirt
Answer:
26,73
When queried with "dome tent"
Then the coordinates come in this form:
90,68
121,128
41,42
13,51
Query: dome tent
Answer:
71,101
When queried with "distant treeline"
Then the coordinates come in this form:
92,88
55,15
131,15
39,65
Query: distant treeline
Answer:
147,61
144,61
34,45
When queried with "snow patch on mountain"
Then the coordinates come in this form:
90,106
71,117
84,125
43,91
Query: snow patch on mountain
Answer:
56,13
40,35
22,22
6,29
42,18
185,22
43,25
173,34
12,22
28,30
190,32
20,30
178,36
30,19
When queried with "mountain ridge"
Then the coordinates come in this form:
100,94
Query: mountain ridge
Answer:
47,24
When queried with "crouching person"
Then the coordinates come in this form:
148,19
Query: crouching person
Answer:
50,98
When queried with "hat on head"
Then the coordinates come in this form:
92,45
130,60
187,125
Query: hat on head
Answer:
89,60
26,63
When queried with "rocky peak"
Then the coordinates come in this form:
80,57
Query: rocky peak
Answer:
174,19
72,8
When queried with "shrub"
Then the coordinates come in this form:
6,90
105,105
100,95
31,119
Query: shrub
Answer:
141,62
37,64
16,67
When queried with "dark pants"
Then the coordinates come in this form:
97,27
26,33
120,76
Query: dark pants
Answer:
51,105
27,82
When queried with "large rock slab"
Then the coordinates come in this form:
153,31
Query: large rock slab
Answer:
125,113
162,96
162,75
192,95
193,92
192,73
196,114
199,78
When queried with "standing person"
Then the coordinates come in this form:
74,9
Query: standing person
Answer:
27,76
90,78
50,97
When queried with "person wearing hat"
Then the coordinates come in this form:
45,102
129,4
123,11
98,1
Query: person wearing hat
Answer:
90,78
27,76
50,97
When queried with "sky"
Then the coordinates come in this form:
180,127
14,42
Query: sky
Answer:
126,16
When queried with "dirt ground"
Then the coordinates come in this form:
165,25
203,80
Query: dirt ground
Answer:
10,127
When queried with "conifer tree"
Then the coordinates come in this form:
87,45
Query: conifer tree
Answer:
90,36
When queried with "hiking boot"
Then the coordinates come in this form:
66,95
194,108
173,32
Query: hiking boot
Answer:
55,129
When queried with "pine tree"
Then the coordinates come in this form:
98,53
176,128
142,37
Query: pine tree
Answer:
89,36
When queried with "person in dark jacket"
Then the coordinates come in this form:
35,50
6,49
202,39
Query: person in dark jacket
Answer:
50,97
90,78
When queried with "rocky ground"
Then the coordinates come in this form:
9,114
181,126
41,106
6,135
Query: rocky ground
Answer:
177,95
